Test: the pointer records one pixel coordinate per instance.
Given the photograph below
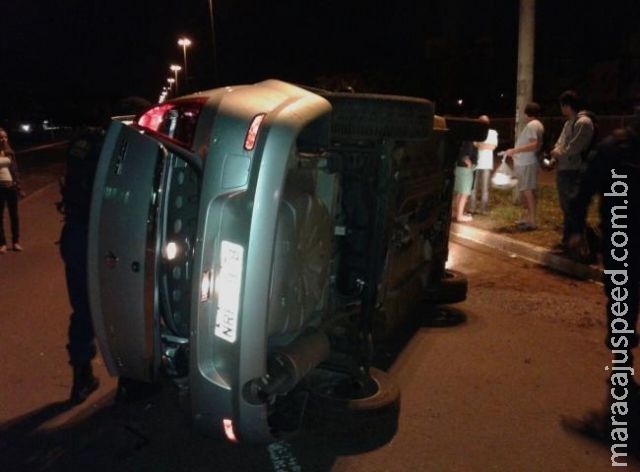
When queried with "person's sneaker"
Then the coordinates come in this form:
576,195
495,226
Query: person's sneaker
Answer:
17,247
464,218
3,249
84,383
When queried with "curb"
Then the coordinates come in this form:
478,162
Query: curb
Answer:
38,191
41,146
537,254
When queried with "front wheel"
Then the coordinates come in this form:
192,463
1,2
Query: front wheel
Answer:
353,413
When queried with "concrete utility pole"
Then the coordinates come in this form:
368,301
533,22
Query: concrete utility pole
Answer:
213,44
526,40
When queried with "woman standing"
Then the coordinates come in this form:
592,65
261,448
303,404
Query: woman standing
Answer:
482,174
9,192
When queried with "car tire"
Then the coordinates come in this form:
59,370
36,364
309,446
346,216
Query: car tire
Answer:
352,422
369,116
437,316
452,288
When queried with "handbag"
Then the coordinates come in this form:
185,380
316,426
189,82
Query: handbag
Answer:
503,176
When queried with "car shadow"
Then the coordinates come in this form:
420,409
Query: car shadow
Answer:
148,435
426,315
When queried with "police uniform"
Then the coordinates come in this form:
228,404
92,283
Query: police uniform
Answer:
618,155
82,159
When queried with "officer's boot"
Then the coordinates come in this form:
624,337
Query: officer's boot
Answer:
84,383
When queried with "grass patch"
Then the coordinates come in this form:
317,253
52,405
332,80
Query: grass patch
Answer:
505,210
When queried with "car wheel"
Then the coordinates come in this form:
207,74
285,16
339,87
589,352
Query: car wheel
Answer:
452,288
351,414
442,317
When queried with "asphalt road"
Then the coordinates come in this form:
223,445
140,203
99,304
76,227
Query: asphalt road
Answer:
488,394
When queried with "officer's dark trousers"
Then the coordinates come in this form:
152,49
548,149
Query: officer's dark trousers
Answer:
73,247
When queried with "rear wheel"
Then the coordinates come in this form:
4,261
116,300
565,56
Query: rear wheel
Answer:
437,316
353,413
452,288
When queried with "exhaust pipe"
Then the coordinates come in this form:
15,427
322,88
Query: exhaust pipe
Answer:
287,365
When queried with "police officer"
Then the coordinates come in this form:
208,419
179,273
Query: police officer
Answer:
76,187
614,174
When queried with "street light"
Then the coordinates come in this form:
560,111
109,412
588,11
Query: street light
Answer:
175,68
185,43
171,81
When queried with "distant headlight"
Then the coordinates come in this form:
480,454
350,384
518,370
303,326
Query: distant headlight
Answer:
25,128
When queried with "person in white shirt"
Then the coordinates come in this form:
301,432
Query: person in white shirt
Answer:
525,163
482,173
9,193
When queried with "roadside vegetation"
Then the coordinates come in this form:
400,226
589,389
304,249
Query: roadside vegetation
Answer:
505,210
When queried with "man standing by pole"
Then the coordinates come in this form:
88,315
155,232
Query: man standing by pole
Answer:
525,164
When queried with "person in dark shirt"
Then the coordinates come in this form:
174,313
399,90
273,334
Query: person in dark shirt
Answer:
575,138
614,175
463,183
76,188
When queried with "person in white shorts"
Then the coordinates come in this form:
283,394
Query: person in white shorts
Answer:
525,163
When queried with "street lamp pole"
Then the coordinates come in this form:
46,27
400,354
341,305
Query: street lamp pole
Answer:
185,43
213,44
175,68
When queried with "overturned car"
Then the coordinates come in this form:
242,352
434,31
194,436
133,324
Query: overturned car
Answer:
257,243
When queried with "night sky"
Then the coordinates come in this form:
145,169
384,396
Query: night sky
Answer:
59,56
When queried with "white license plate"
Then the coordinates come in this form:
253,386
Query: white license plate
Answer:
228,283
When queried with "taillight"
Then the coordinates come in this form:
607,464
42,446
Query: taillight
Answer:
152,119
227,424
175,120
252,132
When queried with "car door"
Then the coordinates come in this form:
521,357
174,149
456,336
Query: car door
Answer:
123,252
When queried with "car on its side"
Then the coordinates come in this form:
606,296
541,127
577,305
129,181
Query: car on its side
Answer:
258,243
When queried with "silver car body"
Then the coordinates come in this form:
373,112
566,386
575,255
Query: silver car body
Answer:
213,253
